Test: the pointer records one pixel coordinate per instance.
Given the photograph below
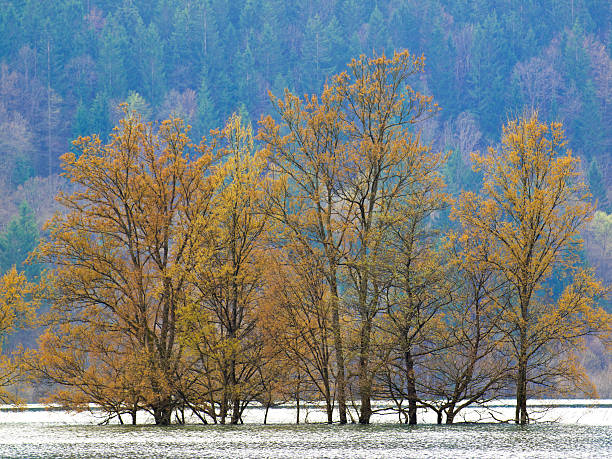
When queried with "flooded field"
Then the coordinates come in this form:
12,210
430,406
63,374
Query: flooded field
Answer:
580,429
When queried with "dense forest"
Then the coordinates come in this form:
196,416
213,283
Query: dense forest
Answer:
66,66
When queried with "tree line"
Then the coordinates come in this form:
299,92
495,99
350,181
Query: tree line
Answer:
305,263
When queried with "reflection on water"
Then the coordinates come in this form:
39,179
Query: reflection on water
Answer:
61,434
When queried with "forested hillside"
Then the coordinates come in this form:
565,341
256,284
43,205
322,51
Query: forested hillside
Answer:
67,64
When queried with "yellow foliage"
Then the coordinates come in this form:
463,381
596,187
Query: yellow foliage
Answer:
19,300
119,255
532,208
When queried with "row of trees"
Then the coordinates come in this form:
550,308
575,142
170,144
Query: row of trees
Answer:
205,276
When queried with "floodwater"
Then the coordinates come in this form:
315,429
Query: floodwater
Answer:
580,430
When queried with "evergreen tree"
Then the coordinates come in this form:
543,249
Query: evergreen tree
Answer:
111,62
151,63
207,115
18,240
99,122
315,54
187,45
246,77
597,186
377,31
81,124
269,49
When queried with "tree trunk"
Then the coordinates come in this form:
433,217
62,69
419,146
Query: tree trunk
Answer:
236,414
521,391
328,398
266,412
521,380
411,388
340,377
297,399
365,385
224,407
162,413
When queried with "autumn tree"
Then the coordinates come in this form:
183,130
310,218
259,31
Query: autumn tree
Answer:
226,276
531,208
349,156
415,275
390,170
115,287
298,320
310,161
18,304
415,300
470,360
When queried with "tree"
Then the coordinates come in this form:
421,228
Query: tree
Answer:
298,321
469,362
18,305
415,300
18,240
112,61
601,236
115,287
180,105
219,323
316,53
351,156
597,186
389,168
206,115
151,63
310,161
137,104
531,210
16,146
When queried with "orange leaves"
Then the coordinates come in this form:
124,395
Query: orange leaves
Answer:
354,174
530,213
223,281
533,190
121,264
19,300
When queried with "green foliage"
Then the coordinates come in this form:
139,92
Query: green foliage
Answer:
22,170
87,49
18,240
137,103
597,188
207,117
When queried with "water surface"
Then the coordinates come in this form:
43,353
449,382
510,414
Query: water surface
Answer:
63,435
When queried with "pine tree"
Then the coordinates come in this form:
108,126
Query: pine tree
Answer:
207,115
18,240
597,186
